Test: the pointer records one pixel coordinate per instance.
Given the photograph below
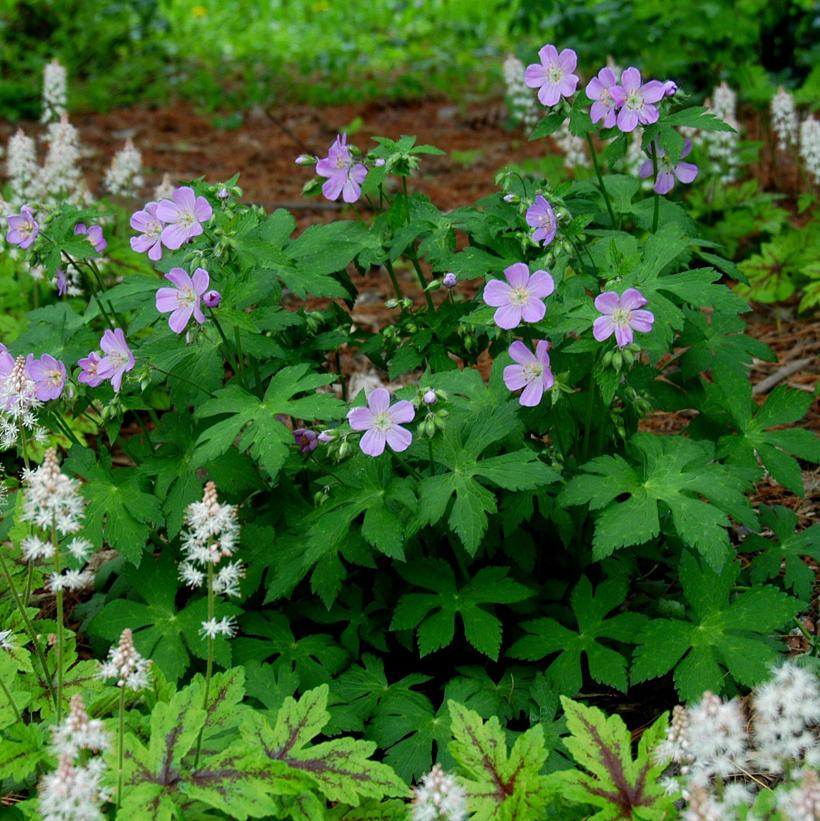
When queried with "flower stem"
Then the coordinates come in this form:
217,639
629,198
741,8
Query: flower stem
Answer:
120,745
422,281
392,273
11,701
406,465
226,345
597,168
60,617
656,210
210,662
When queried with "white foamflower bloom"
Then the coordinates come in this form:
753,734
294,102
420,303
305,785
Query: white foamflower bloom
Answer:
51,498
810,147
126,665
213,628
784,119
55,91
124,177
439,797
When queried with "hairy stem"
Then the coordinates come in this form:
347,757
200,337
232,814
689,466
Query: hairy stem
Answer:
597,168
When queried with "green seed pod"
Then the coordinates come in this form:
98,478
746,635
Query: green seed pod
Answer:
434,285
628,356
344,448
606,361
617,360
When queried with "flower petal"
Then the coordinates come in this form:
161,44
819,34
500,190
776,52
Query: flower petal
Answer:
514,377
642,321
632,298
200,280
686,171
603,328
534,310
541,284
497,293
520,353
402,412
607,302
532,394
399,439
360,418
378,400
517,275
508,317
623,335
372,443
631,79
535,75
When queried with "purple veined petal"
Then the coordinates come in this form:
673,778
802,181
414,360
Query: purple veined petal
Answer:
607,78
598,111
687,148
326,167
549,94
517,275
110,341
618,95
535,75
541,284
665,182
533,310
548,54
200,281
378,400
361,418
142,243
646,169
607,302
653,91
358,173
174,236
332,187
568,59
402,412
203,210
627,120
610,119
497,293
195,230
372,443
185,198
351,191
632,299
180,318
508,317
568,85
541,352
179,277
532,394
116,379
155,252
197,313
168,211
594,89
642,321
514,377
631,79
167,299
603,328
686,171
623,335
648,115
399,439
520,353
549,379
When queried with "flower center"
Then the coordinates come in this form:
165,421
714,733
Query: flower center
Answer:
383,422
532,372
187,219
186,297
605,98
544,220
520,296
154,229
620,316
26,228
555,74
54,377
634,100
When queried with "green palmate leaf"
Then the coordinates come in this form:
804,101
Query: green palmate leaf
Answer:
697,117
254,421
341,770
24,750
607,776
778,450
501,785
120,511
787,550
674,474
726,636
606,665
548,125
433,614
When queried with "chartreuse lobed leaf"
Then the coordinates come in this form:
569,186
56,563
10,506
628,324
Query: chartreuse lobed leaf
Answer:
674,474
725,637
501,784
433,614
606,665
606,774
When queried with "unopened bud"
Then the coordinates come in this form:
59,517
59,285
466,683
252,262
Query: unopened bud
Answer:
449,280
429,397
306,159
212,299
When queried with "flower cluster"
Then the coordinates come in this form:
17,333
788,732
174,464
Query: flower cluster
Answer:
169,222
124,177
574,148
722,146
55,92
74,790
110,366
784,119
22,168
61,179
810,147
126,665
439,797
211,535
519,100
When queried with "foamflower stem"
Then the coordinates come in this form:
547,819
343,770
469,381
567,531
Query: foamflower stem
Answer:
210,662
120,744
597,168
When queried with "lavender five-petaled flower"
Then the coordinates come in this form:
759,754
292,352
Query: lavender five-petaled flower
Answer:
306,439
149,226
638,107
607,96
344,174
532,372
90,370
667,173
118,359
382,423
621,315
183,300
48,374
23,228
94,234
541,216
553,76
184,214
212,299
520,297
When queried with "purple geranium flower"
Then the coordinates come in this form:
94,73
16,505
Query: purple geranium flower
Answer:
150,229
90,370
665,181
61,281
639,99
23,228
382,423
118,359
531,373
344,174
607,96
520,297
182,301
541,216
184,214
6,363
621,316
48,375
553,76
94,234
307,440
